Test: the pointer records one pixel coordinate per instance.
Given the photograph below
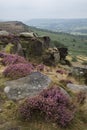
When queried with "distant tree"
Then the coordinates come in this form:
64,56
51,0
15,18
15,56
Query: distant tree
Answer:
74,40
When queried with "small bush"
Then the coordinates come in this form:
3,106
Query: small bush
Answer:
18,70
9,48
12,59
51,104
74,59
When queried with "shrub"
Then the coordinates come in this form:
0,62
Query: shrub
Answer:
74,59
9,48
12,59
18,70
52,104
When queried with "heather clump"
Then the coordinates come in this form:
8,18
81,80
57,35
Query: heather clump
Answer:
60,71
51,104
18,70
9,59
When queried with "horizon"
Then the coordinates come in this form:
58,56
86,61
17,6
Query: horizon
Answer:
1,20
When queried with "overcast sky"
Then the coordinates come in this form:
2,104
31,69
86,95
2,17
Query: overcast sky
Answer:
28,9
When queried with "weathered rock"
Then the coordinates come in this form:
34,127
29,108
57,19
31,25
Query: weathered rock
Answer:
30,85
77,88
4,33
79,71
18,49
34,46
51,56
28,34
63,53
65,93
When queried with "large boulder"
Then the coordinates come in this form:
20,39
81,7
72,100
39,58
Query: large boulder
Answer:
34,46
30,85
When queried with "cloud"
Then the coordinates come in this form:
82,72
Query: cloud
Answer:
27,9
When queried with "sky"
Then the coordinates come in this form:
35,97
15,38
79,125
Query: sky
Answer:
30,9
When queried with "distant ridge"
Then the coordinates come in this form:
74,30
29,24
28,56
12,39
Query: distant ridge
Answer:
14,27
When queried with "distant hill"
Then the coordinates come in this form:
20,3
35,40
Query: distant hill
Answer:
77,45
14,26
72,26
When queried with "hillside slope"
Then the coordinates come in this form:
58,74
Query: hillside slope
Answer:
72,26
13,26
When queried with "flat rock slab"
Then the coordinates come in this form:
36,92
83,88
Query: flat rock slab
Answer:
30,85
77,88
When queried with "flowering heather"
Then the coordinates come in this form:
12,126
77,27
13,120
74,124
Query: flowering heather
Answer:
18,70
13,59
40,67
51,104
61,72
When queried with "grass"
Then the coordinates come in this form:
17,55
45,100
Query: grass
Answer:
41,125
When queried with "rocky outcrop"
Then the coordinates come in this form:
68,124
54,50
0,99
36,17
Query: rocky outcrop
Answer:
27,43
30,85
